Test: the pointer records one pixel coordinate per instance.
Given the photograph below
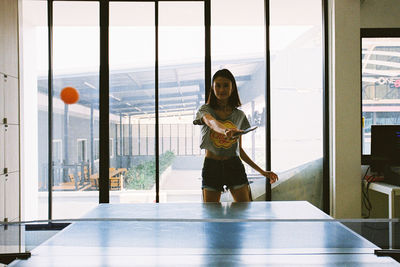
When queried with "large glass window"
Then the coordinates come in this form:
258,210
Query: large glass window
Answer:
380,85
82,150
57,151
132,102
34,111
297,99
238,44
181,92
238,36
75,64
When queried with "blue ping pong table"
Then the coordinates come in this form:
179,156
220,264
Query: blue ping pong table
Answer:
289,233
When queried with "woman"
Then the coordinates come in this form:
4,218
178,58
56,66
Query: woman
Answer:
221,138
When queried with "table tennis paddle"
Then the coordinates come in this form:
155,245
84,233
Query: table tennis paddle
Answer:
246,130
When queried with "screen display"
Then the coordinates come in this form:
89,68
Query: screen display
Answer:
385,145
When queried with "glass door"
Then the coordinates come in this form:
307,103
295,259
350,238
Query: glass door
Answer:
181,92
132,100
238,44
75,126
158,50
297,99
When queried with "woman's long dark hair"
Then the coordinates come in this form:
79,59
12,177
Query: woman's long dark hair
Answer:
234,100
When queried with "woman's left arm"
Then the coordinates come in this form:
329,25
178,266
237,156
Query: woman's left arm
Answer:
273,177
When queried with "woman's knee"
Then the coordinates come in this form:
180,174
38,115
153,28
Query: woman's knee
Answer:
241,194
211,195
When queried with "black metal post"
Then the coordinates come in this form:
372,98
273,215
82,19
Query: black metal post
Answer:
50,105
157,150
130,142
268,193
325,63
121,142
90,171
207,39
65,142
104,194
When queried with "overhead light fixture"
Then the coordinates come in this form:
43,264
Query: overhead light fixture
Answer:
116,98
89,85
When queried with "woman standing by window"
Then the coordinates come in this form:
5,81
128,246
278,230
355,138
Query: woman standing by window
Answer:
223,123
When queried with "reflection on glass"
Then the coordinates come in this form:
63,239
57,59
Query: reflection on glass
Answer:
380,85
132,102
384,234
238,44
181,92
297,99
75,126
34,110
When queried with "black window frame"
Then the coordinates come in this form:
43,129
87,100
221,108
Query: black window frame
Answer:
371,33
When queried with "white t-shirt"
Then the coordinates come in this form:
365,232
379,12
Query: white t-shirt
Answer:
216,142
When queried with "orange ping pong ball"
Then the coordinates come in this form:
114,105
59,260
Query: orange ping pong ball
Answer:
69,95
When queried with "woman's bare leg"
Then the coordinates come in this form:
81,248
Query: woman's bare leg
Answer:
241,194
211,196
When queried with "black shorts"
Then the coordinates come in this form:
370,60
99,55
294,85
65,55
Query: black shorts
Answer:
219,173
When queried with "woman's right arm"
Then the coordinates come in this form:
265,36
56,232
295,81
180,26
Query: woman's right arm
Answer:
218,127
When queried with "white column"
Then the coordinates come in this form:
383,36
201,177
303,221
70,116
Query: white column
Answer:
345,125
29,125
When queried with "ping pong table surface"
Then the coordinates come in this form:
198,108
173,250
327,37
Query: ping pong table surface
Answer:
278,233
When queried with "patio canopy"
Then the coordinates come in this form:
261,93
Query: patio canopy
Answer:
181,87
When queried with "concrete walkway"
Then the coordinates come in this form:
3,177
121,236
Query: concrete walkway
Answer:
182,180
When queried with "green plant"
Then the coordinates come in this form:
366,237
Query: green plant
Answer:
142,176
